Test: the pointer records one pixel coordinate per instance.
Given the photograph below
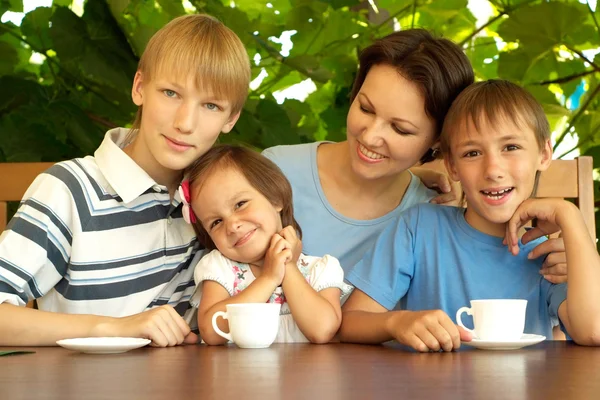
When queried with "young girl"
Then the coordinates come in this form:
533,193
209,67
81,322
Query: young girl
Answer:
100,241
242,207
434,260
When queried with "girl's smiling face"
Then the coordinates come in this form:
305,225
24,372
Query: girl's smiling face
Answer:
238,218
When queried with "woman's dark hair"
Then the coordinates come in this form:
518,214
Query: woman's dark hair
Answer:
438,66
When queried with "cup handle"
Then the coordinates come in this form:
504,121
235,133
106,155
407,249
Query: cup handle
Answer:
461,310
216,327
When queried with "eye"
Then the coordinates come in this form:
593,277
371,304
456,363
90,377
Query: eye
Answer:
365,110
400,131
512,147
214,224
471,153
170,93
212,107
240,204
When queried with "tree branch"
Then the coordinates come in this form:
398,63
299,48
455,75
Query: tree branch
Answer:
504,12
583,57
567,78
576,116
588,138
414,11
51,60
594,16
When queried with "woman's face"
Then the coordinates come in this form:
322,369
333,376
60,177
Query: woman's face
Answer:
388,129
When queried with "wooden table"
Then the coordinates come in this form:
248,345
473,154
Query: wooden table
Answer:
549,370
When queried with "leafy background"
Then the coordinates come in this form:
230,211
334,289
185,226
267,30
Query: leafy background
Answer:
60,106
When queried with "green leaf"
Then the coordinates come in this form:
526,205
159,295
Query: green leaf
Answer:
594,152
171,7
12,5
276,126
36,28
544,25
9,58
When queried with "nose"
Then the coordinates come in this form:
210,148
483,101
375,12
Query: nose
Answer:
186,118
494,167
232,224
373,133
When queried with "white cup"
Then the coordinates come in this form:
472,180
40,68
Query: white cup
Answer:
251,325
501,320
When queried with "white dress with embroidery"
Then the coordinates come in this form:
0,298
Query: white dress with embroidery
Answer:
320,272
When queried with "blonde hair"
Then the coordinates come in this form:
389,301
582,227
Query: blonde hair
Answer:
201,46
491,100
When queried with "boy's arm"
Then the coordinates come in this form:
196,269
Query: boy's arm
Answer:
580,313
366,321
22,326
317,314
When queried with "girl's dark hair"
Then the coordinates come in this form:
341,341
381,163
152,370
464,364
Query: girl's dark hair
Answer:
438,66
261,173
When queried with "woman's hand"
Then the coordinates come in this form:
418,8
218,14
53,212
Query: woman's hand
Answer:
450,191
554,268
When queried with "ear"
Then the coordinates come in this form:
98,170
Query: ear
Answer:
231,122
545,156
278,209
137,90
451,167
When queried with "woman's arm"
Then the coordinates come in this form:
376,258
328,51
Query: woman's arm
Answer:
317,314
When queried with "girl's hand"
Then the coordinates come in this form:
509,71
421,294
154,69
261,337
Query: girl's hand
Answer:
278,254
290,235
546,211
450,192
424,331
554,268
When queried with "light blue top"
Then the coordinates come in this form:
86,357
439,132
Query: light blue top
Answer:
324,230
431,258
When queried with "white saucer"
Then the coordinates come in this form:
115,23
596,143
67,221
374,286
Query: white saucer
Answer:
103,345
526,340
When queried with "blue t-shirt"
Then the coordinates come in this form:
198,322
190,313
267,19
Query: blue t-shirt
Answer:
431,258
324,230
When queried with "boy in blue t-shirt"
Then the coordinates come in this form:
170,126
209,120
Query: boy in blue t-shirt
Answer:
434,260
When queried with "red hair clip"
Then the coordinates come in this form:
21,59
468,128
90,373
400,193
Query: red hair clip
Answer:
186,199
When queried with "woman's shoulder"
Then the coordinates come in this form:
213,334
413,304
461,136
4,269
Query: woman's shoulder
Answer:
291,154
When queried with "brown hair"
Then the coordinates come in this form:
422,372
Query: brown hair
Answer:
261,173
203,47
438,66
491,101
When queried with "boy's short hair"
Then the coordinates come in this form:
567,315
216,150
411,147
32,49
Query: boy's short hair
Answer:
438,66
262,174
490,101
201,46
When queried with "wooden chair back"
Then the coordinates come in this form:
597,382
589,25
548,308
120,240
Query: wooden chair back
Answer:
15,178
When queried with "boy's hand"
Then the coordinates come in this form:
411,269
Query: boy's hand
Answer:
278,254
546,211
554,268
431,330
290,235
162,325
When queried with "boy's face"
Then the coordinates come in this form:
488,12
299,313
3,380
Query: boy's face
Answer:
179,122
496,166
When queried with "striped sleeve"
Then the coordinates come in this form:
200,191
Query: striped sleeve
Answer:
35,247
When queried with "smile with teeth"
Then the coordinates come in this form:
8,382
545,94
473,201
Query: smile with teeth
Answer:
497,195
370,154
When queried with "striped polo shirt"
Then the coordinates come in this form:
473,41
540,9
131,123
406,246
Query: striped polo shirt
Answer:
97,235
